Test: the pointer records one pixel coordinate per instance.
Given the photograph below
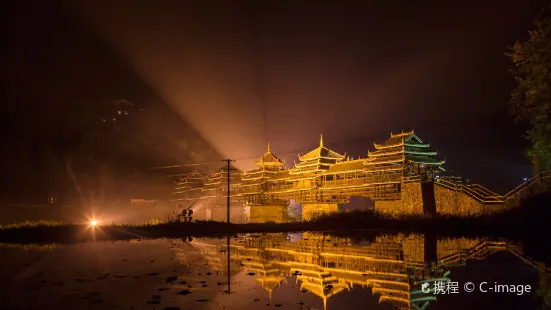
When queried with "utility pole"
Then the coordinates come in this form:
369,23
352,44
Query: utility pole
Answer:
228,252
228,202
228,221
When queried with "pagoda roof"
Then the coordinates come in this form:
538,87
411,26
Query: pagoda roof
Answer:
193,181
271,282
316,167
324,292
260,173
188,184
269,159
321,290
195,175
321,152
223,175
425,160
233,181
399,139
402,134
419,150
346,166
220,176
310,163
387,151
405,146
281,175
379,160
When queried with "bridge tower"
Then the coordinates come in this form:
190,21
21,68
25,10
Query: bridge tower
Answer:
263,206
190,186
419,164
215,191
306,178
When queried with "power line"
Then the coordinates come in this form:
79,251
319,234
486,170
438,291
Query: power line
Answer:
186,165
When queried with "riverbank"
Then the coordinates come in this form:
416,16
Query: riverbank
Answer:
532,220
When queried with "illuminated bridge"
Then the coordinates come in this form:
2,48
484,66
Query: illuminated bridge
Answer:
393,266
401,175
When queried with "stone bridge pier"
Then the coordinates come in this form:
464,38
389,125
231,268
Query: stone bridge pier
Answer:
269,213
432,198
313,210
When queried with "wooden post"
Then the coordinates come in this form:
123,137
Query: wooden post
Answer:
228,200
228,250
228,212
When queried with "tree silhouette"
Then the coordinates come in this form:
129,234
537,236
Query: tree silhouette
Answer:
531,99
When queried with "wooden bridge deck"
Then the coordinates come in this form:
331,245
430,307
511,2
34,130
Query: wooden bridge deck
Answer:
380,188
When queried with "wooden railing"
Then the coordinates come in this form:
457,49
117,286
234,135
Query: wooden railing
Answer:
479,251
485,196
482,190
541,180
473,193
280,187
412,179
244,190
365,181
478,192
542,268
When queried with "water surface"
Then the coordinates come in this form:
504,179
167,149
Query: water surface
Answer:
288,271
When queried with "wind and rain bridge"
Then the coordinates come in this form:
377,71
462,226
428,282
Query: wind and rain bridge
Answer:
402,176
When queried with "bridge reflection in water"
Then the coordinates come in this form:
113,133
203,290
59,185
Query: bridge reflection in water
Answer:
393,266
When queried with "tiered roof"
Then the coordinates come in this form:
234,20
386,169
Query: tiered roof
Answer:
269,274
269,159
281,175
212,257
268,166
270,282
193,181
347,166
318,160
321,283
402,148
220,177
396,153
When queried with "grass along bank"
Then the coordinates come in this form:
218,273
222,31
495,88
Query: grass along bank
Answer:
532,219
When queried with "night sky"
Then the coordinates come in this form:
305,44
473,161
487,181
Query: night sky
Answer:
244,73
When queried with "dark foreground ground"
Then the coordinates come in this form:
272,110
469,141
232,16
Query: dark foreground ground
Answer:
529,223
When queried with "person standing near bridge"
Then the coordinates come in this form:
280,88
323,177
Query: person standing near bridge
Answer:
189,213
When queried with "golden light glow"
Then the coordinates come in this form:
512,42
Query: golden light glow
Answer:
93,223
391,176
328,265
